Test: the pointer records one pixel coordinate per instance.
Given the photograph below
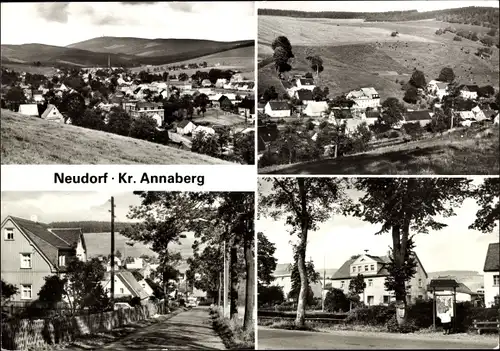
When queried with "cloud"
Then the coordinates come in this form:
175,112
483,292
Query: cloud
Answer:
137,3
107,20
181,6
53,12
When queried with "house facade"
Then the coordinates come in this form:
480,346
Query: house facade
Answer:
32,251
492,276
437,88
373,269
126,285
469,91
277,109
364,97
51,113
316,109
28,110
185,127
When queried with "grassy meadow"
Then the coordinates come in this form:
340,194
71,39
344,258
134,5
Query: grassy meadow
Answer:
31,140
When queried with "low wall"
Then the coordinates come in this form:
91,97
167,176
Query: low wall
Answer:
24,334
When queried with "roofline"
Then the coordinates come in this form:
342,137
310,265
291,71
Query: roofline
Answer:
53,268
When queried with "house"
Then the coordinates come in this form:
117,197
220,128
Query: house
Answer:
463,293
266,134
283,278
491,275
469,91
118,264
220,82
260,107
185,127
134,263
143,281
423,117
277,109
364,97
51,113
478,114
370,117
126,285
437,88
305,96
28,109
316,109
38,96
496,119
373,268
305,83
203,129
32,250
206,83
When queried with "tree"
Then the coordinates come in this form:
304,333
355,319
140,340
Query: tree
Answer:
318,94
357,286
447,75
406,206
266,262
201,101
183,77
119,121
411,95
270,295
205,143
92,119
418,79
486,196
8,290
73,105
204,271
304,203
143,128
316,63
335,300
244,147
53,290
282,53
486,91
270,94
284,43
312,277
15,97
392,112
440,122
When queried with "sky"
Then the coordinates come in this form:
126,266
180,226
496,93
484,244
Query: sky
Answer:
62,23
452,248
372,6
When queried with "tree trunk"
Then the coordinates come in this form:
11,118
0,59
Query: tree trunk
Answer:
400,289
301,257
233,305
250,279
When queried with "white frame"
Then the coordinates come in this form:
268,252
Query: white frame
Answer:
24,288
26,254
8,231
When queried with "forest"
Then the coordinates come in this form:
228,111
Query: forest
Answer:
92,226
478,16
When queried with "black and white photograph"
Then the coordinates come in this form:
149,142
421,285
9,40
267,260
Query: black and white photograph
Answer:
128,271
378,87
164,83
378,263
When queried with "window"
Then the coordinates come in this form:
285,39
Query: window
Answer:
370,300
496,280
9,233
121,291
62,261
26,260
370,282
359,268
342,284
387,299
26,291
420,297
420,283
372,267
366,268
354,269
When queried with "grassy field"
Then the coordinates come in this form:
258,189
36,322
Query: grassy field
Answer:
461,152
358,54
31,140
18,67
218,117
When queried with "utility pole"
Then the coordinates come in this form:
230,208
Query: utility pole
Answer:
112,249
225,309
324,285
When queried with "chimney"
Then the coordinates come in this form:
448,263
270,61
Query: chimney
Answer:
366,252
34,218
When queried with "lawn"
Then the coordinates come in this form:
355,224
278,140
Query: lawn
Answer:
219,117
31,140
460,153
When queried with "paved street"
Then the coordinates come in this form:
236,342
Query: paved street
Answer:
287,339
186,331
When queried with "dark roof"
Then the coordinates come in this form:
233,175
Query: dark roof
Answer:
69,235
279,105
306,81
304,94
154,105
372,114
443,284
261,105
491,263
344,114
183,123
268,132
470,87
422,115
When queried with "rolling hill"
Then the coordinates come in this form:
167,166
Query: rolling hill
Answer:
125,52
31,140
472,279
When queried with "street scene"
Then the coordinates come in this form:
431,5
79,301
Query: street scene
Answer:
378,263
381,87
128,83
149,270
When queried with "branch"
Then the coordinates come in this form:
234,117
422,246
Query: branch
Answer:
290,195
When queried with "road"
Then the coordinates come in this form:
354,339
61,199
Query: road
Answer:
269,339
190,330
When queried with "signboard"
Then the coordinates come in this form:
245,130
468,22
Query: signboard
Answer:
442,302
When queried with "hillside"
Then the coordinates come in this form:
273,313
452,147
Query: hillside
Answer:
92,226
31,140
472,150
472,279
125,52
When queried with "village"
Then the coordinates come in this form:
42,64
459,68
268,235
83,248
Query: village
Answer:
364,115
213,107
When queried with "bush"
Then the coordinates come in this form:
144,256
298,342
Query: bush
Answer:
336,300
408,327
371,315
457,38
394,34
394,134
413,129
439,31
421,313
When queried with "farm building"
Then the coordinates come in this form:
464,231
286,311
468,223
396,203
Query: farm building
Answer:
185,127
28,109
437,88
277,109
469,91
423,117
51,113
38,96
305,83
203,129
364,97
316,109
206,83
305,96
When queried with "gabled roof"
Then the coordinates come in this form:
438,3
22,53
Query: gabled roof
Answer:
48,110
306,81
132,284
70,235
491,263
28,109
279,105
471,88
304,94
183,123
372,114
422,115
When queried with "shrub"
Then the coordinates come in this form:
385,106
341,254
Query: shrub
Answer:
439,31
413,129
394,327
457,38
393,134
394,34
371,315
421,313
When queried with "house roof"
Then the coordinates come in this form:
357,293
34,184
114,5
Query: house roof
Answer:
422,115
48,110
183,123
279,105
268,132
442,85
28,109
471,88
130,283
443,283
316,106
70,235
305,95
306,81
369,91
491,263
154,105
372,114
